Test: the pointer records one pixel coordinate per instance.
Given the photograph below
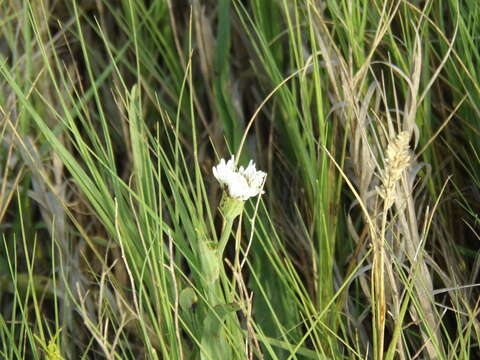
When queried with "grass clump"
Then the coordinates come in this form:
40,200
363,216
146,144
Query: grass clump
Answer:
119,243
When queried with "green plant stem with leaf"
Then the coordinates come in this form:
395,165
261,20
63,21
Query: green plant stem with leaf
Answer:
217,309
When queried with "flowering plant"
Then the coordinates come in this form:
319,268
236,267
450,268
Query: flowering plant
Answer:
240,184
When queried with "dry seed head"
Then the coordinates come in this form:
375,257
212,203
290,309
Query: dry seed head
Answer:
397,160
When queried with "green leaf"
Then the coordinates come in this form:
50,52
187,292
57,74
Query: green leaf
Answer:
188,297
214,342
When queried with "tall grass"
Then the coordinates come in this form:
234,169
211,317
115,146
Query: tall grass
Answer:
365,116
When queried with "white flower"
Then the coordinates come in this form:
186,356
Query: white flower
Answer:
241,184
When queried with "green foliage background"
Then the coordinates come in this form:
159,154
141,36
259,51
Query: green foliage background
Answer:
112,114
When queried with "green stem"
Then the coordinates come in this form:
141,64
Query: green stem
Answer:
226,231
212,253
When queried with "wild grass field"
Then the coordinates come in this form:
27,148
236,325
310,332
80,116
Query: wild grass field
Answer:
119,239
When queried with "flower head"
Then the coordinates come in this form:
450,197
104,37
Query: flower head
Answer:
397,160
240,184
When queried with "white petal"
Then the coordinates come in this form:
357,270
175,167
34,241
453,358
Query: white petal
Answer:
242,184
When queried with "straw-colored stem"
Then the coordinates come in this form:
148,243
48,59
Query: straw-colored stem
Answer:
379,286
